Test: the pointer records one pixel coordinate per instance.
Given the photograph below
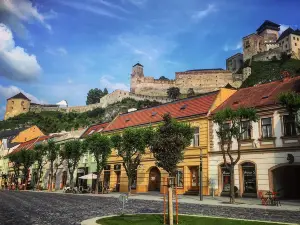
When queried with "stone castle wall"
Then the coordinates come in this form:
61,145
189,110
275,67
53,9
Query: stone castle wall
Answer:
201,81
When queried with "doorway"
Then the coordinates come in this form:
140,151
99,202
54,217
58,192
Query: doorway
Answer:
154,179
194,181
286,181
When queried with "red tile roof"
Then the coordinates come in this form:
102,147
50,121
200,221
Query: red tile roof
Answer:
30,144
260,95
94,128
199,105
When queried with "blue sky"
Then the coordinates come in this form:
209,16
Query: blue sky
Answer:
59,49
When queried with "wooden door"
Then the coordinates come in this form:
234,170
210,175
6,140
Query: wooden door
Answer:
154,179
194,178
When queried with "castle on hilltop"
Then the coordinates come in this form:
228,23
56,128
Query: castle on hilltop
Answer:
201,80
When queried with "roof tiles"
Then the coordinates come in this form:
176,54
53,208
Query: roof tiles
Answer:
94,128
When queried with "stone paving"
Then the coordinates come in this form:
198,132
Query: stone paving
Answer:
49,208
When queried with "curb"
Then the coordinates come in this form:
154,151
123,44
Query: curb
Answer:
92,221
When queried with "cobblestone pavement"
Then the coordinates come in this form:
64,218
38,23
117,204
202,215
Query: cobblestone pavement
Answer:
50,208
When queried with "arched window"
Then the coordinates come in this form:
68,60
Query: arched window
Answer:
225,176
249,177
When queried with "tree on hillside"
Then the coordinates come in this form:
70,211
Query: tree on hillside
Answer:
94,95
190,92
167,145
40,154
100,147
163,78
130,147
52,150
173,93
71,153
291,101
26,158
240,122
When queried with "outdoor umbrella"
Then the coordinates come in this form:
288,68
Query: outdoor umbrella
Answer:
89,176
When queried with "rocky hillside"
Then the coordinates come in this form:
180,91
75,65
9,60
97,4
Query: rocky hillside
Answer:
263,72
51,122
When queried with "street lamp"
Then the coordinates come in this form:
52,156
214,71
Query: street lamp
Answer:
200,177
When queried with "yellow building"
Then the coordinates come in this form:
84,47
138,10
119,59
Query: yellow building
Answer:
194,111
16,105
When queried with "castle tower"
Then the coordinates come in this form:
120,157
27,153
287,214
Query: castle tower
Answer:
16,105
136,75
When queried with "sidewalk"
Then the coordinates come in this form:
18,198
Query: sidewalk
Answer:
288,205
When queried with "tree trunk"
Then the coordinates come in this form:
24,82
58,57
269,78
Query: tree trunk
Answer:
54,182
170,205
129,185
97,184
71,179
232,193
51,176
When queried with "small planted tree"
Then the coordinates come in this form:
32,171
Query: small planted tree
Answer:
100,147
190,92
230,127
52,150
71,153
40,157
291,101
167,145
26,159
173,93
130,147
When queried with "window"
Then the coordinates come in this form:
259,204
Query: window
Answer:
245,126
12,102
295,44
249,176
22,103
266,127
286,46
195,140
225,179
247,44
297,39
294,38
179,177
289,125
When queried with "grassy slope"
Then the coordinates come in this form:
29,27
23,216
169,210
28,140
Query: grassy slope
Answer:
263,72
50,122
183,220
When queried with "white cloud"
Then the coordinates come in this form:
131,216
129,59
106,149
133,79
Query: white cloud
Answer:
90,9
227,48
138,2
56,51
70,81
199,15
283,27
9,91
110,5
109,83
15,62
15,12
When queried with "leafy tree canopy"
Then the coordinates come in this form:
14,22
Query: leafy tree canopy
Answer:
94,95
173,92
190,92
168,143
163,78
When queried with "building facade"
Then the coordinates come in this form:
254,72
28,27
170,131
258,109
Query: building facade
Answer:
234,63
289,42
270,149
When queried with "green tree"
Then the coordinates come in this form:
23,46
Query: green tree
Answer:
173,92
71,153
94,96
52,150
163,78
167,145
40,156
130,147
100,147
169,142
291,101
227,132
105,91
190,92
26,158
16,165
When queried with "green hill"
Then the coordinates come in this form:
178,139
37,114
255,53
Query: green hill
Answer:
264,72
51,122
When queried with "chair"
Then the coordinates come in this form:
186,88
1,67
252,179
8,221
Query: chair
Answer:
262,198
276,199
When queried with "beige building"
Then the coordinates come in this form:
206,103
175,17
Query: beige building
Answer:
201,80
234,63
17,105
289,42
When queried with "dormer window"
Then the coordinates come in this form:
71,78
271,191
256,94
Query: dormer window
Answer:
236,102
264,97
153,113
127,120
183,107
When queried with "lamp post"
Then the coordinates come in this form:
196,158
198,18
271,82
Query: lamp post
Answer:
200,177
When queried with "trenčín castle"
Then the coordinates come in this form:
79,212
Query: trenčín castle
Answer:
265,44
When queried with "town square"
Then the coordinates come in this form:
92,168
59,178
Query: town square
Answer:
125,112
